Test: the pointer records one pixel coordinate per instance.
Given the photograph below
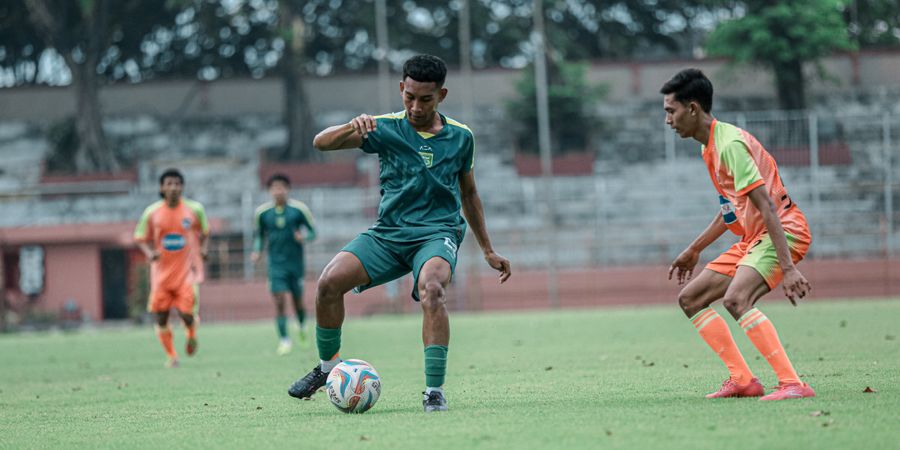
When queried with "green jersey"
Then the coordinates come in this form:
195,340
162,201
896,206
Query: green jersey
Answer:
420,178
277,225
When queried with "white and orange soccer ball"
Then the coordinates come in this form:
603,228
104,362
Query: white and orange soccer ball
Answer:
353,386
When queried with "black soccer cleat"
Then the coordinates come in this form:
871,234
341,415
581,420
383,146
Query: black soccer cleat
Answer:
434,401
309,384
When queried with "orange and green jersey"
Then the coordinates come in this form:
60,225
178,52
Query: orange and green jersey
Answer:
175,233
738,164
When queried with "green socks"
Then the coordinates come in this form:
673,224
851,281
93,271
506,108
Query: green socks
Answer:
328,340
301,317
281,322
435,365
297,299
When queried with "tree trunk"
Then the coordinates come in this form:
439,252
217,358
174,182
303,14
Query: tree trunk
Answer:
93,154
790,85
297,117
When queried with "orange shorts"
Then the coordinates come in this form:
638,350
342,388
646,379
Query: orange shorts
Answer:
759,253
184,299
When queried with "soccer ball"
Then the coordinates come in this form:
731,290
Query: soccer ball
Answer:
353,386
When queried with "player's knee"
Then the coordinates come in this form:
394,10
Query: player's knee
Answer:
162,319
736,306
432,295
689,303
328,289
188,319
279,302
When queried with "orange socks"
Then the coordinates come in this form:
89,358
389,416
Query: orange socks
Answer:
763,335
165,338
715,332
191,331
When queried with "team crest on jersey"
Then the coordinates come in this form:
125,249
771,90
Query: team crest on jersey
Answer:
186,223
280,221
728,211
427,155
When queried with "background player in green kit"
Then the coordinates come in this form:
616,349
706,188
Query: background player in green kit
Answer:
426,181
285,224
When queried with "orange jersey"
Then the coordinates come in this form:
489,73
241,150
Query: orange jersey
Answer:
738,164
175,233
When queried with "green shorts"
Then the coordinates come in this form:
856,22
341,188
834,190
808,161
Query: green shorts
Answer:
760,254
386,260
285,280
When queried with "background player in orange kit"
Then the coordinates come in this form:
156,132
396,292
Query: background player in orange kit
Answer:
173,234
774,236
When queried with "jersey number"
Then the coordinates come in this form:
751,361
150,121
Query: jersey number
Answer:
789,201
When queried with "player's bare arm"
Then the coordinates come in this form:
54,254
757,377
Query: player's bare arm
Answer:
683,266
474,213
149,252
795,284
204,245
345,136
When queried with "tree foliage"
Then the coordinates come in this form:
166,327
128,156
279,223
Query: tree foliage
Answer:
90,43
569,96
783,36
874,23
91,36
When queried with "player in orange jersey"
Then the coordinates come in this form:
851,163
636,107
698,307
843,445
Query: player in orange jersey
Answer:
173,234
774,237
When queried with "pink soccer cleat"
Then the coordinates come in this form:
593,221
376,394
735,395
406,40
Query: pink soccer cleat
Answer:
731,389
790,391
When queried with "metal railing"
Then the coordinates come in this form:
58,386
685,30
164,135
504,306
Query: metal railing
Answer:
840,169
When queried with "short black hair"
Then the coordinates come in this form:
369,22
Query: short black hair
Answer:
690,85
425,69
171,173
278,177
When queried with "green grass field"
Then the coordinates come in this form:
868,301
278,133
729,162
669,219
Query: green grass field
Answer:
622,378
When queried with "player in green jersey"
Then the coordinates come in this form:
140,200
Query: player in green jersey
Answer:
426,182
285,224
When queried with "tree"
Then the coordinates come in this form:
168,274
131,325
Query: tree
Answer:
577,30
783,36
97,42
79,31
106,41
582,29
569,97
297,115
874,23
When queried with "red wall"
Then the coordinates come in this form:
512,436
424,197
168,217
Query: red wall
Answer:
73,271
